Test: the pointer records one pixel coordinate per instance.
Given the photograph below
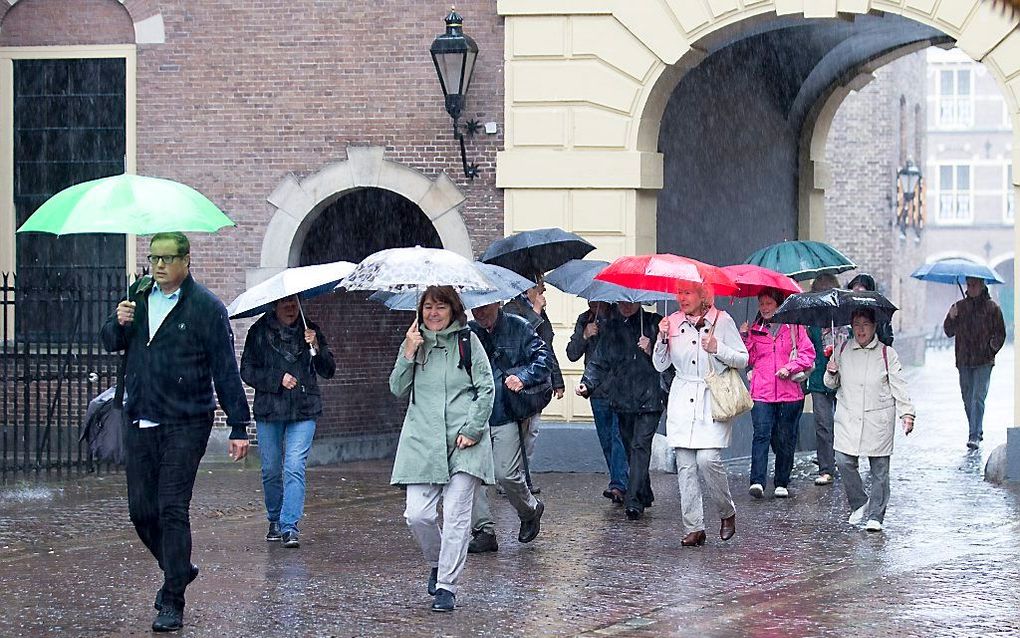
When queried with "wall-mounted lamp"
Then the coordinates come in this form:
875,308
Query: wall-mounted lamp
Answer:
910,209
454,54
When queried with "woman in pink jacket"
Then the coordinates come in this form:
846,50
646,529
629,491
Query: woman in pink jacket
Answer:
778,353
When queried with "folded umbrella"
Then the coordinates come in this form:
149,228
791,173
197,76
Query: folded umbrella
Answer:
802,260
575,275
832,307
752,280
663,273
531,253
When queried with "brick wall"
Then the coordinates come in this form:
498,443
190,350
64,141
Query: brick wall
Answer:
865,149
244,92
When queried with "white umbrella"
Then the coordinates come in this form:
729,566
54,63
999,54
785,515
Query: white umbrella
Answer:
305,282
414,270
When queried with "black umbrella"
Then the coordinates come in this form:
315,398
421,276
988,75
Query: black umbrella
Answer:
832,307
531,253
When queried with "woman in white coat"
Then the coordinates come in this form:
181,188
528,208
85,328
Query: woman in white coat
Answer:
688,342
871,395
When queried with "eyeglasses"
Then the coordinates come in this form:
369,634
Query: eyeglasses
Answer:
166,259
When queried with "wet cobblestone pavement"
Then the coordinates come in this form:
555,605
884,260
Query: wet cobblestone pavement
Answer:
947,564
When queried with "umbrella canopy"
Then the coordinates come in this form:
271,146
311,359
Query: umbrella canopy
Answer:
414,270
751,280
956,271
305,282
611,293
533,252
507,283
131,204
575,275
663,273
832,307
802,260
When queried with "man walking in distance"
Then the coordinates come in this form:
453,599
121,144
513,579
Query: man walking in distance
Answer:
179,345
519,360
976,322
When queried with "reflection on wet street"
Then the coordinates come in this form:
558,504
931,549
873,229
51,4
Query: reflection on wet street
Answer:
947,564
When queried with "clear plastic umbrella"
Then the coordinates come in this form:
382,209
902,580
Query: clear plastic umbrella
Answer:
414,270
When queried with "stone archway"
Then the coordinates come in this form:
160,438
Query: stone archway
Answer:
297,204
587,83
145,17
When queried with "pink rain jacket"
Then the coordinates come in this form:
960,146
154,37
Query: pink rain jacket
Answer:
767,355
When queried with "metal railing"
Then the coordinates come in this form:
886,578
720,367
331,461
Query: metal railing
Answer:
52,365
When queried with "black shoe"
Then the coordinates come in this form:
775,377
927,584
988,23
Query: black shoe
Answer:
973,444
168,619
531,527
290,540
634,513
444,600
483,542
274,532
433,578
534,489
158,604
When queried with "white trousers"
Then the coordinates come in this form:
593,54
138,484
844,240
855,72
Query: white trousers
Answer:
444,548
706,463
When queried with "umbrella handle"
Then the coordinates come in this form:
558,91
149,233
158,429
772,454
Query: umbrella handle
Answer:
301,311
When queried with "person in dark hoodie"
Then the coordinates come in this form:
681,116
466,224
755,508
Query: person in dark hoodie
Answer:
282,360
980,331
179,347
531,307
622,364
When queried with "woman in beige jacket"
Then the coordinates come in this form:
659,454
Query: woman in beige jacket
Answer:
871,395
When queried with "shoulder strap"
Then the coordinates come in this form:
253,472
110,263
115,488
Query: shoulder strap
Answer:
464,349
885,358
843,347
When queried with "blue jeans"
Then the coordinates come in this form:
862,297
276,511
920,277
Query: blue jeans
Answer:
283,468
974,388
607,425
775,425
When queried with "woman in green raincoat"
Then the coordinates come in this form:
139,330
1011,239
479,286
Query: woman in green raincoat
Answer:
445,450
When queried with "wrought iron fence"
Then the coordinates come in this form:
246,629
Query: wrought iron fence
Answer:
52,365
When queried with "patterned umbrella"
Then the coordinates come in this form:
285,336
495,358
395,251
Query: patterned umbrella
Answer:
414,270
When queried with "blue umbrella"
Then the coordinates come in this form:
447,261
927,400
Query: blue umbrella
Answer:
575,275
956,271
611,293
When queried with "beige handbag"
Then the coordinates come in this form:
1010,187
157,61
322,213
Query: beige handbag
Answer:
730,397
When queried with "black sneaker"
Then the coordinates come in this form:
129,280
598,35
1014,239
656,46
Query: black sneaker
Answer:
444,601
168,619
290,540
634,513
531,527
433,579
158,604
483,542
274,533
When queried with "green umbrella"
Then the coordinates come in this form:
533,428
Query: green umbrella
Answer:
130,204
802,260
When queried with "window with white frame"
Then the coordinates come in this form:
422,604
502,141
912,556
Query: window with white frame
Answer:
955,194
1010,192
955,98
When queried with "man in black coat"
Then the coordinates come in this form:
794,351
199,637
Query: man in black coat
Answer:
179,345
622,364
520,362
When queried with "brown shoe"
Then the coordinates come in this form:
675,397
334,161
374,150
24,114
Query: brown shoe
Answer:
728,528
694,538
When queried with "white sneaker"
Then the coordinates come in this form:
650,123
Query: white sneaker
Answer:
781,492
873,526
756,490
857,517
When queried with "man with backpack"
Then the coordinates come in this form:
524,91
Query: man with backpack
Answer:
521,374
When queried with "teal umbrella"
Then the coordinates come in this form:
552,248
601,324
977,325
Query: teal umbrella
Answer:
130,204
802,260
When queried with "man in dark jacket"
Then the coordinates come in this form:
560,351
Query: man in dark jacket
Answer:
531,307
179,345
622,362
519,361
583,343
976,322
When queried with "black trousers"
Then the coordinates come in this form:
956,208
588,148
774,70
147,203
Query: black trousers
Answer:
162,463
637,432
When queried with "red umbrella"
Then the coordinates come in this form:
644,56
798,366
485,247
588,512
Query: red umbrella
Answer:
663,273
751,280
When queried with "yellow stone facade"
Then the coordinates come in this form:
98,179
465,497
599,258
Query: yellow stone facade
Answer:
587,82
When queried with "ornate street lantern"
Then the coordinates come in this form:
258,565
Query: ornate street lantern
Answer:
910,209
453,55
